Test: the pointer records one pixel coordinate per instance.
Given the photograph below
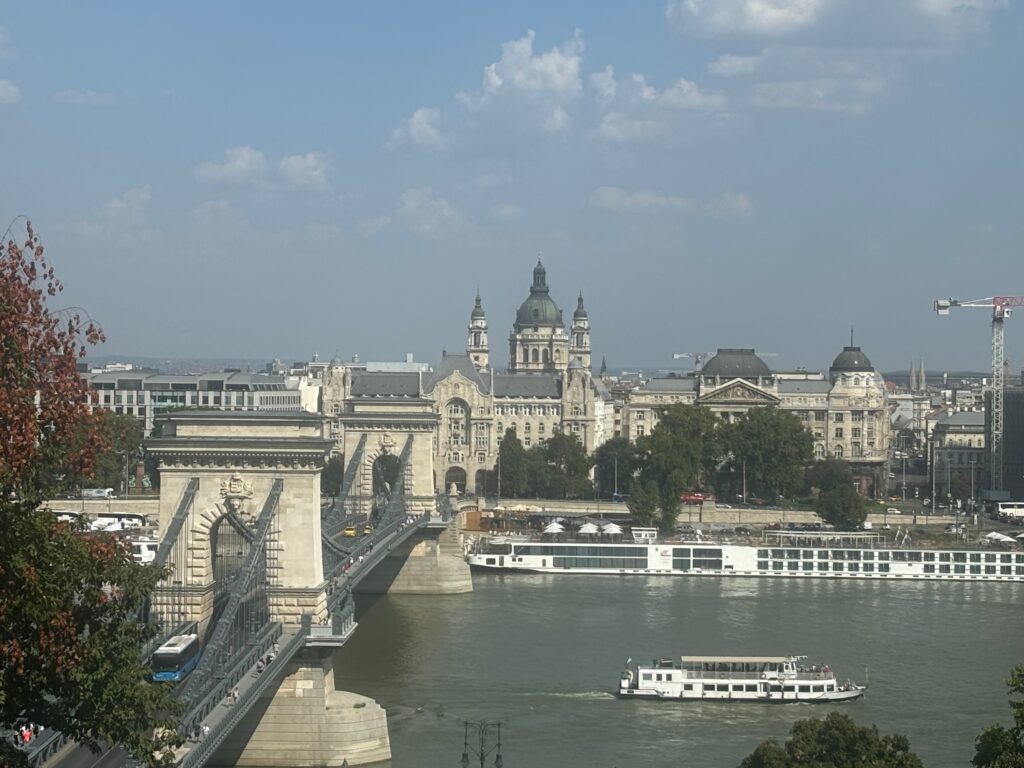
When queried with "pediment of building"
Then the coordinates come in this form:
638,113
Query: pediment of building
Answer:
738,391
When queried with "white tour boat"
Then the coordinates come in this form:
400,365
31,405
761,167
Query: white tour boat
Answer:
768,679
781,555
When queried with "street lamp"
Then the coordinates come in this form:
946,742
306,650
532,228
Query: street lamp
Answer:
482,728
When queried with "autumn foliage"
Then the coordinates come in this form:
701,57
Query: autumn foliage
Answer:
70,601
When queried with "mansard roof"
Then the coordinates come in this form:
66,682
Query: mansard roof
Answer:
527,385
450,364
736,364
803,386
385,384
670,384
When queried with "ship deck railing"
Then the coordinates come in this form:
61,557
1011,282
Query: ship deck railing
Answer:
753,677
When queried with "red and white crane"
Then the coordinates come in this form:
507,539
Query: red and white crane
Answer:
1001,307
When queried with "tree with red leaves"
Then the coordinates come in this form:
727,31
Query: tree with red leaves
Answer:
69,600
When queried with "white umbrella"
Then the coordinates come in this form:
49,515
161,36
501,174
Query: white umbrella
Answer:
611,528
553,528
588,528
1019,536
995,536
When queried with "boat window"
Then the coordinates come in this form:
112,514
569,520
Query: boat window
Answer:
737,687
750,688
658,677
721,687
776,689
883,567
867,555
762,565
808,554
959,569
819,688
668,677
944,568
837,566
929,568
869,567
792,554
823,554
793,565
883,555
790,688
929,557
805,689
830,687
975,557
990,557
808,566
854,566
688,687
822,566
944,557
647,675
959,557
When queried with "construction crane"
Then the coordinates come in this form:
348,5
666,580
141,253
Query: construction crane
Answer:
1001,309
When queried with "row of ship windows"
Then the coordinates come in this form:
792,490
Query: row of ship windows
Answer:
684,564
898,556
777,565
747,687
600,562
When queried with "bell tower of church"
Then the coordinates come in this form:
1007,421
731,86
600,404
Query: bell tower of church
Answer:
579,339
476,344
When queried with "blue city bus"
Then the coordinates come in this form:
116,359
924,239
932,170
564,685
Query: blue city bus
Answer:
173,660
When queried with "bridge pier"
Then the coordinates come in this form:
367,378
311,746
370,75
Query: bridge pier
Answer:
304,721
430,562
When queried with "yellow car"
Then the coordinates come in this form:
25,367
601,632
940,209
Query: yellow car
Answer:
350,532
367,530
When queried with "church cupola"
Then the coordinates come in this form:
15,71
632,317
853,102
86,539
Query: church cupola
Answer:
579,339
476,344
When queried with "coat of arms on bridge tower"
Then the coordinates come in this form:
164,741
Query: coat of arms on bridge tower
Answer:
235,491
387,444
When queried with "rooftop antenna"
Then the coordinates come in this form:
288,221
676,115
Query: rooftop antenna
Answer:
851,335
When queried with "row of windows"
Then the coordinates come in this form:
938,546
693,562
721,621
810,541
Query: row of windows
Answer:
631,563
581,551
528,410
685,564
822,567
901,556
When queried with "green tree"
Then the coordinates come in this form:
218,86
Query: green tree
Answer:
773,446
69,601
615,462
835,742
332,476
560,468
644,503
512,466
681,453
841,507
829,474
998,746
960,485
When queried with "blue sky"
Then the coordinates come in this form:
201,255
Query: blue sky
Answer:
249,180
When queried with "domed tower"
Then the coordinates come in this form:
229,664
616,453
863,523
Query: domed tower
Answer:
538,342
579,340
852,365
476,344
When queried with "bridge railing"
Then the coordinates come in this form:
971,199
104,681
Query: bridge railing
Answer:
202,752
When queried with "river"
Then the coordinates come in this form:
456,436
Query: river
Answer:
542,653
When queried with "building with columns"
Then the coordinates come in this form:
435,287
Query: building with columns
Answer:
846,410
546,389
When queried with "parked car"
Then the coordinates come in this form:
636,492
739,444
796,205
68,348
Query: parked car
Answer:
349,532
893,511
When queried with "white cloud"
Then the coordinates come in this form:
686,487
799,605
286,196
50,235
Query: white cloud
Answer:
730,205
506,212
604,84
429,215
422,130
729,65
557,120
769,18
619,200
86,98
6,49
556,72
121,221
305,172
683,95
370,227
852,96
9,93
491,180
243,165
617,127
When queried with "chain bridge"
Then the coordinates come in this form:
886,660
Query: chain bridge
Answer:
266,577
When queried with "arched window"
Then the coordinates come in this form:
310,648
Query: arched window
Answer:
533,356
819,450
838,451
547,357
856,381
526,357
558,355
457,413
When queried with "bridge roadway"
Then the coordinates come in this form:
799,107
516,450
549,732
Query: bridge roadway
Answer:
215,710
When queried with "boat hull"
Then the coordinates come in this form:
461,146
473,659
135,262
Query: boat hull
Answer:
833,697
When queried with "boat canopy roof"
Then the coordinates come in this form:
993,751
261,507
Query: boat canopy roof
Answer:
739,659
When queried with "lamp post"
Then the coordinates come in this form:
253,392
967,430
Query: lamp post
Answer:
481,751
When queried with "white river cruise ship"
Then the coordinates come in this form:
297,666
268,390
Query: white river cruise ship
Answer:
780,555
766,679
